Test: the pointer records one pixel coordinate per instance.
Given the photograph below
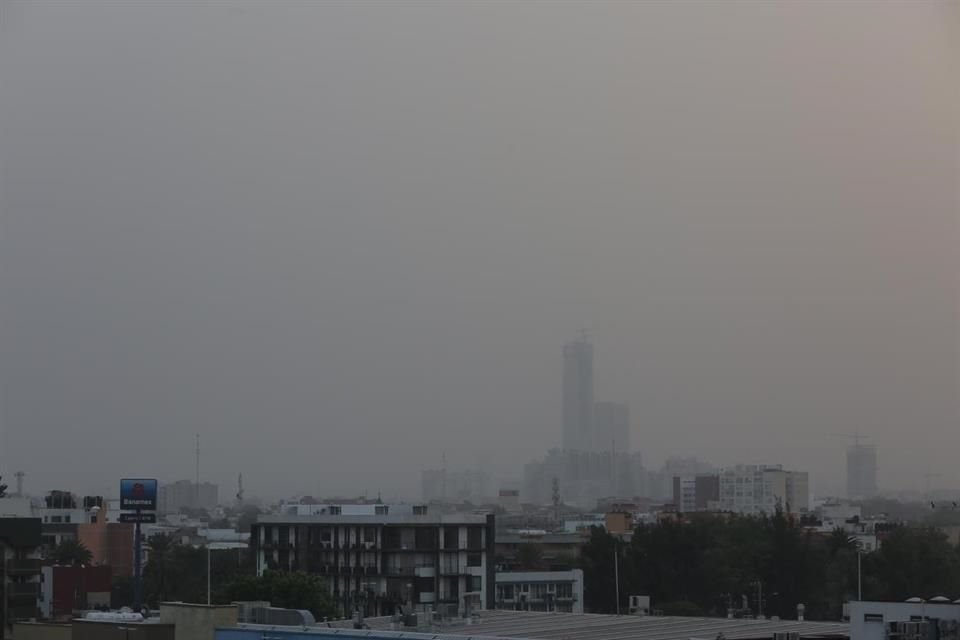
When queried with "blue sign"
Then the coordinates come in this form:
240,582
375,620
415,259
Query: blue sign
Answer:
139,494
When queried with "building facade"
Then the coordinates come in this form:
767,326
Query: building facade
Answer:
174,496
696,493
861,471
20,555
758,489
611,427
578,403
378,557
540,591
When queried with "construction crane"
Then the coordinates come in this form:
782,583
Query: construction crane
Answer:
855,436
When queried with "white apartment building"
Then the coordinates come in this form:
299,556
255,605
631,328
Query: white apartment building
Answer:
757,489
540,591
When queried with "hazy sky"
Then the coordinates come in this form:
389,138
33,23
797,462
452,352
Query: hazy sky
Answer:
339,239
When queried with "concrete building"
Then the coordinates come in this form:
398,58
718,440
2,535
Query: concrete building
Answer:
174,496
69,588
466,485
20,584
540,590
110,543
556,551
611,427
583,477
757,489
905,620
378,556
577,409
861,471
696,493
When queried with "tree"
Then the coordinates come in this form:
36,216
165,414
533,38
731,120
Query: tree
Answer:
293,590
159,547
71,552
596,560
3,488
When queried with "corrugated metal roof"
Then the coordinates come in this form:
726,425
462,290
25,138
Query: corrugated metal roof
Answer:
568,626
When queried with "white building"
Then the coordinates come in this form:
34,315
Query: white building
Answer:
540,590
757,489
904,620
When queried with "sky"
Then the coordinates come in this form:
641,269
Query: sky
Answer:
345,241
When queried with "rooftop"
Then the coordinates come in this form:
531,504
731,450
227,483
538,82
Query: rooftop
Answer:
403,518
567,626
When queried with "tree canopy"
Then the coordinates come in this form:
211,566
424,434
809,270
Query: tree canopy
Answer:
712,563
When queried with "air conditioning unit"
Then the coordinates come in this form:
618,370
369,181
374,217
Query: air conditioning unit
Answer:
639,605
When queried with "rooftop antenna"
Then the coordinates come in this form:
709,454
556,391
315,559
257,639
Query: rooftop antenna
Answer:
19,476
240,487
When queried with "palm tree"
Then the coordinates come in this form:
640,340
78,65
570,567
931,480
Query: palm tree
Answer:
71,552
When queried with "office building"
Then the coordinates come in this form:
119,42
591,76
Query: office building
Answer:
174,496
466,485
377,557
578,403
583,477
861,471
611,427
758,489
696,493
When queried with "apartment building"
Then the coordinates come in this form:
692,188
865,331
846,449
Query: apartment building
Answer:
20,555
757,489
378,557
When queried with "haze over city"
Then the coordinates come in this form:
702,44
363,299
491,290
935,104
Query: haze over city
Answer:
344,242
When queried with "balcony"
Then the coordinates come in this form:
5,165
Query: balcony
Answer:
25,567
399,571
23,594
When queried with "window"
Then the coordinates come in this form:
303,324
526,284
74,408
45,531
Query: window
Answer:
420,510
475,538
873,617
506,592
334,510
564,590
381,509
474,560
369,534
475,583
56,519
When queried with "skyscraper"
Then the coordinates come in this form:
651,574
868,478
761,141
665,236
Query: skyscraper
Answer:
578,395
861,471
611,427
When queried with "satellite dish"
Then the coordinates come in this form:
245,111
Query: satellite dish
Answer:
939,599
914,599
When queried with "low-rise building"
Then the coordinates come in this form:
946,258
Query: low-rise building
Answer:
69,588
540,590
912,620
377,557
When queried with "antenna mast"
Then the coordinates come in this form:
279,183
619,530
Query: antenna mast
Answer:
196,487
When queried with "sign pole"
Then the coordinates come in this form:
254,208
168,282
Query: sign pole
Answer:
137,573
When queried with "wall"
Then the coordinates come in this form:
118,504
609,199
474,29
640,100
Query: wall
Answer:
90,630
111,543
41,631
197,621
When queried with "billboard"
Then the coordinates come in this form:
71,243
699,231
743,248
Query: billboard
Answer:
138,493
145,518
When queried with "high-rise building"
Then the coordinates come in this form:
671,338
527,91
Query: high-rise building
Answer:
184,493
861,471
611,427
578,395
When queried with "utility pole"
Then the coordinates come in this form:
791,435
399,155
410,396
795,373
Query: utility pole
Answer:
859,576
616,573
197,486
